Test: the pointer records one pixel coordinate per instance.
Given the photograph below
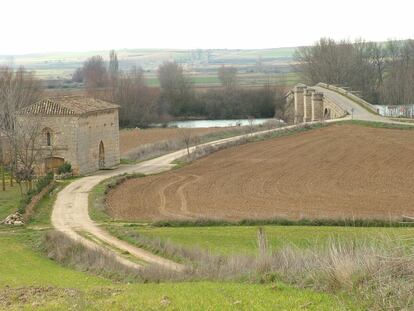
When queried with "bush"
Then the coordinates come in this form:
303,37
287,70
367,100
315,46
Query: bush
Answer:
65,168
42,182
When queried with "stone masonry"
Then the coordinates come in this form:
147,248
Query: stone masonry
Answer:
81,131
310,105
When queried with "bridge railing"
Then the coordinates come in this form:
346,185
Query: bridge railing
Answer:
350,95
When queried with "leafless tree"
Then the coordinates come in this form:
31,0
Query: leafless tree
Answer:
26,142
77,76
138,102
94,75
186,135
398,85
175,90
18,88
359,65
113,65
228,76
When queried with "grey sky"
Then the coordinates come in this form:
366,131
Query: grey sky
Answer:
28,26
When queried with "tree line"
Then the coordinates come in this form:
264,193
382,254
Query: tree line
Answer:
176,96
382,72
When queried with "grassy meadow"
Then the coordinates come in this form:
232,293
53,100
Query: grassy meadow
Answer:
225,240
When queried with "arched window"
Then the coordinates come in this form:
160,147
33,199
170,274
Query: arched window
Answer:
48,139
47,132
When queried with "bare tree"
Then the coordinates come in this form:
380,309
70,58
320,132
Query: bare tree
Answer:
138,102
358,65
176,94
228,76
77,76
26,143
17,89
186,135
94,74
113,65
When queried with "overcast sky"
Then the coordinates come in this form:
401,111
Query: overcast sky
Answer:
28,26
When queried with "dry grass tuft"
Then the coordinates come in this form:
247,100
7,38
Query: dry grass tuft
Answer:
378,276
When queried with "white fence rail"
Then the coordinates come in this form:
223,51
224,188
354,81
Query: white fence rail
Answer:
396,111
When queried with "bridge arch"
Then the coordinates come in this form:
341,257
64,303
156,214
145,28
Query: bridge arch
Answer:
327,113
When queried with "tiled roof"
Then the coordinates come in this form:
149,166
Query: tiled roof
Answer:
67,105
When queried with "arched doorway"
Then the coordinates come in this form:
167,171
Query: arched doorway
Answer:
101,155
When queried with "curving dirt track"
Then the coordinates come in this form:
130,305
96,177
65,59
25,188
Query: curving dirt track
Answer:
341,171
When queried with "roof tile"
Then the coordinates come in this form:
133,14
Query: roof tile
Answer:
67,105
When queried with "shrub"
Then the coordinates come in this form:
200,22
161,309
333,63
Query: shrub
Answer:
65,168
42,182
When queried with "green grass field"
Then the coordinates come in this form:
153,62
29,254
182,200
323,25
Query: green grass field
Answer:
242,239
9,200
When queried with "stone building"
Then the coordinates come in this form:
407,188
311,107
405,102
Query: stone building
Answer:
81,131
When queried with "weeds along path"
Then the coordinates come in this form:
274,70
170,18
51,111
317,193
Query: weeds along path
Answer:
70,211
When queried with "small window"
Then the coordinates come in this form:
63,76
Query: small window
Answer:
47,132
48,139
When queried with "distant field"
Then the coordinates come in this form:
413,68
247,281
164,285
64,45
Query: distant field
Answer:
201,65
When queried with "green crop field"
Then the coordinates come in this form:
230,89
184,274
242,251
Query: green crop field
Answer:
242,239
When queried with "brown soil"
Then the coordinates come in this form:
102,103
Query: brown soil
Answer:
341,171
130,139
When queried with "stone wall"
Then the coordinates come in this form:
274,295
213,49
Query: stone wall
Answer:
310,105
63,138
76,139
334,110
92,129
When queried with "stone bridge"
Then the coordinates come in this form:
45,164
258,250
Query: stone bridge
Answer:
311,104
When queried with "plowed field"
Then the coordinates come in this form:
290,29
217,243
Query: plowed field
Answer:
341,171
